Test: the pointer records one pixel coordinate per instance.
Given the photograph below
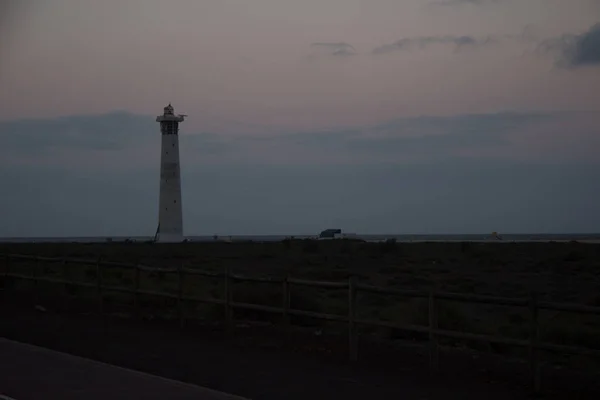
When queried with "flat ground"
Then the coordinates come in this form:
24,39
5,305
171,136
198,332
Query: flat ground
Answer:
561,272
246,368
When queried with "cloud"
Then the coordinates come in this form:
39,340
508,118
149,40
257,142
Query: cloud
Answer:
421,139
527,34
574,50
398,176
460,2
106,132
421,42
453,196
335,49
112,140
120,140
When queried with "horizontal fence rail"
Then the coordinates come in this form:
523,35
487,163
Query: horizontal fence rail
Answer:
434,333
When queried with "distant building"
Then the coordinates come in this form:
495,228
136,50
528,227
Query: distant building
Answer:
336,234
329,233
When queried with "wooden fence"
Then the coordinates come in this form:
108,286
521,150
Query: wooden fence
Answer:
533,344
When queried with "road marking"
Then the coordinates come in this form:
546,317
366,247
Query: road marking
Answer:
131,371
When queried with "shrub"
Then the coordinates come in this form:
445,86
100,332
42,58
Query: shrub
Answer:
574,256
465,247
390,245
310,246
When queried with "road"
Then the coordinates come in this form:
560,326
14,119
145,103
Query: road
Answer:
29,372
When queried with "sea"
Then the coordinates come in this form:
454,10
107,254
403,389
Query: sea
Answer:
542,237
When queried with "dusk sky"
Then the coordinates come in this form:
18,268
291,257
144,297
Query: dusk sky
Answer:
379,116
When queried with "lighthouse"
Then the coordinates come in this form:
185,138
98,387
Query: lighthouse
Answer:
170,215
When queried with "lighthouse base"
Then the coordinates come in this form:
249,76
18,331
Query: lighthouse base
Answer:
169,238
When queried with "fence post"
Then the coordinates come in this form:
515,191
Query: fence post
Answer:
286,302
228,311
99,287
180,296
7,265
6,273
433,339
136,290
352,331
35,280
67,279
534,337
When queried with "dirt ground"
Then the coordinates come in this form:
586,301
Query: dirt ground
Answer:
260,366
558,271
387,366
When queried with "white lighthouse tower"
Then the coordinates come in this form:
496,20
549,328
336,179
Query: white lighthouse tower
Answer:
170,218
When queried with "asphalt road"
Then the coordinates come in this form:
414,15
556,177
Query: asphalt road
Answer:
29,372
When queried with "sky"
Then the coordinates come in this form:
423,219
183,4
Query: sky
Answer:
379,116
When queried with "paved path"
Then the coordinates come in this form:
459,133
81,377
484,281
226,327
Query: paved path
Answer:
29,372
